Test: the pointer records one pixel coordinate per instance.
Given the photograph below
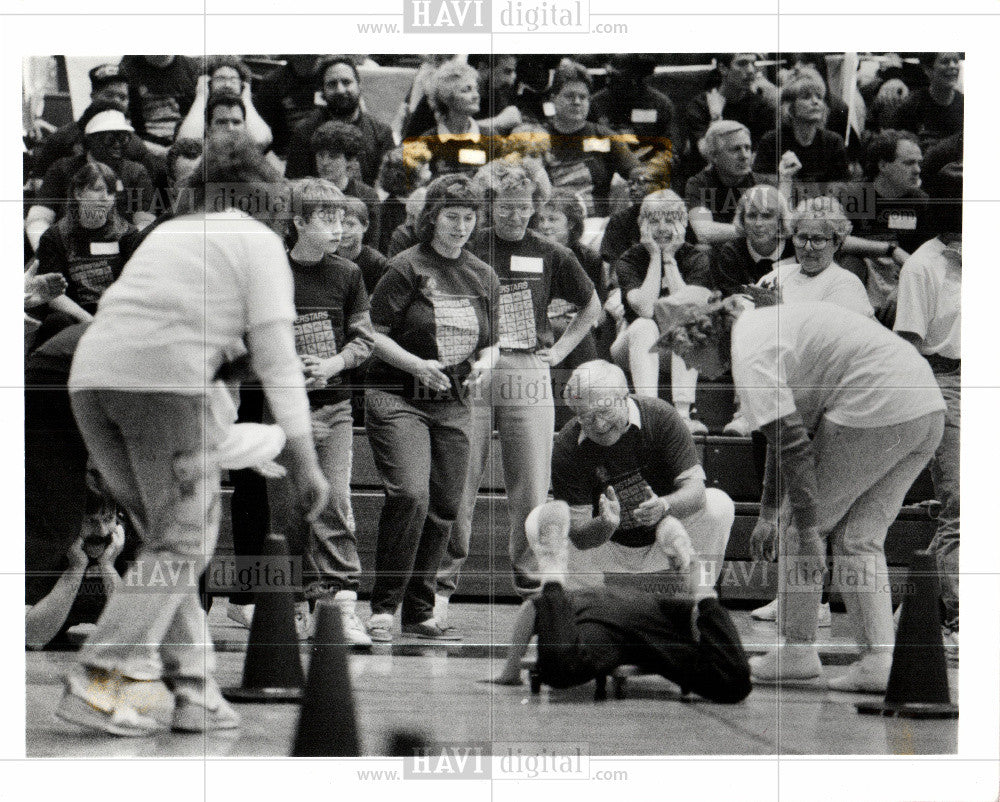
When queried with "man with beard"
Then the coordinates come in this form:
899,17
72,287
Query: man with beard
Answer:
104,140
340,85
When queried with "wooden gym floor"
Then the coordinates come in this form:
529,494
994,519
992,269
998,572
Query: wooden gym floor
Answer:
438,691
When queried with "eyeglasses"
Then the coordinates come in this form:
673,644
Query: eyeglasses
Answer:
817,241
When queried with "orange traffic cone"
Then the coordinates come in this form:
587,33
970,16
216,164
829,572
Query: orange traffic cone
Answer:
272,671
918,682
326,723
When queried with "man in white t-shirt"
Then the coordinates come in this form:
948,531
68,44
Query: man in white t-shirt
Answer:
202,290
929,314
852,416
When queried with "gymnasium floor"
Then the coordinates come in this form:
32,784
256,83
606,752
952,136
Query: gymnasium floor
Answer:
437,690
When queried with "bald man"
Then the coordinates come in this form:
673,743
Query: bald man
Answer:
627,467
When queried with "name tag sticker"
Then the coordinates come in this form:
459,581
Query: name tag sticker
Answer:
526,264
471,156
549,108
119,186
644,115
593,144
902,222
103,248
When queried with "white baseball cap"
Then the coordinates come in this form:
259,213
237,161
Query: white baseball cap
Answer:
110,120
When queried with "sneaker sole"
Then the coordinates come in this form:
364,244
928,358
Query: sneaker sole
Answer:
74,710
194,722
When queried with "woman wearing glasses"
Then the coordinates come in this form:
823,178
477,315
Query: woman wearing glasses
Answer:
819,227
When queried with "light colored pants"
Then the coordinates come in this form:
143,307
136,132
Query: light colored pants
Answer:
156,453
519,401
708,529
631,352
862,476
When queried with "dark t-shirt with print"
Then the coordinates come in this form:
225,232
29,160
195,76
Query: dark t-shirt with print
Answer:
904,220
435,308
462,154
649,457
328,294
585,161
693,262
532,271
90,259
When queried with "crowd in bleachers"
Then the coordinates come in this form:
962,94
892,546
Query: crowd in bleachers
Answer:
518,217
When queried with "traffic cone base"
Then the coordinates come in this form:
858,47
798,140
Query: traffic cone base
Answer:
272,671
918,682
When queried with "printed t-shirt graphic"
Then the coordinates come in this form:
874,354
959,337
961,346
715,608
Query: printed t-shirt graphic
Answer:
517,316
456,327
632,490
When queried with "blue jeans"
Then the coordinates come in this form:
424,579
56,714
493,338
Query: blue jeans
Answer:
156,455
329,546
422,453
945,474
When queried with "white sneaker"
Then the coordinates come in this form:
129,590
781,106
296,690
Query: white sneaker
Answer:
354,630
870,674
769,612
547,532
380,628
305,627
737,427
441,610
241,614
790,661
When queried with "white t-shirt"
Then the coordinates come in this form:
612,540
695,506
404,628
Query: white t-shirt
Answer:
183,304
930,299
834,285
821,360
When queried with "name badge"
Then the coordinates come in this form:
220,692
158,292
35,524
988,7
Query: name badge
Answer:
549,108
471,156
593,144
119,186
103,248
526,264
644,115
902,222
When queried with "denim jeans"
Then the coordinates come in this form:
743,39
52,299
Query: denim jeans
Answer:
422,453
156,455
862,476
329,546
519,402
945,474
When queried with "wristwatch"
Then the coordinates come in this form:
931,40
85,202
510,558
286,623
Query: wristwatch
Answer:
890,247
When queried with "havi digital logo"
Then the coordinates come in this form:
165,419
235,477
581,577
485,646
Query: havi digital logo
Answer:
447,16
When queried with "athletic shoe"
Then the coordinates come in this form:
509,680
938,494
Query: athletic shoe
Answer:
547,532
380,628
430,630
91,700
241,614
202,709
790,661
737,427
354,630
769,612
869,675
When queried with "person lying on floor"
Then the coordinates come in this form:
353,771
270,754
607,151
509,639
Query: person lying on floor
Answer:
588,633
